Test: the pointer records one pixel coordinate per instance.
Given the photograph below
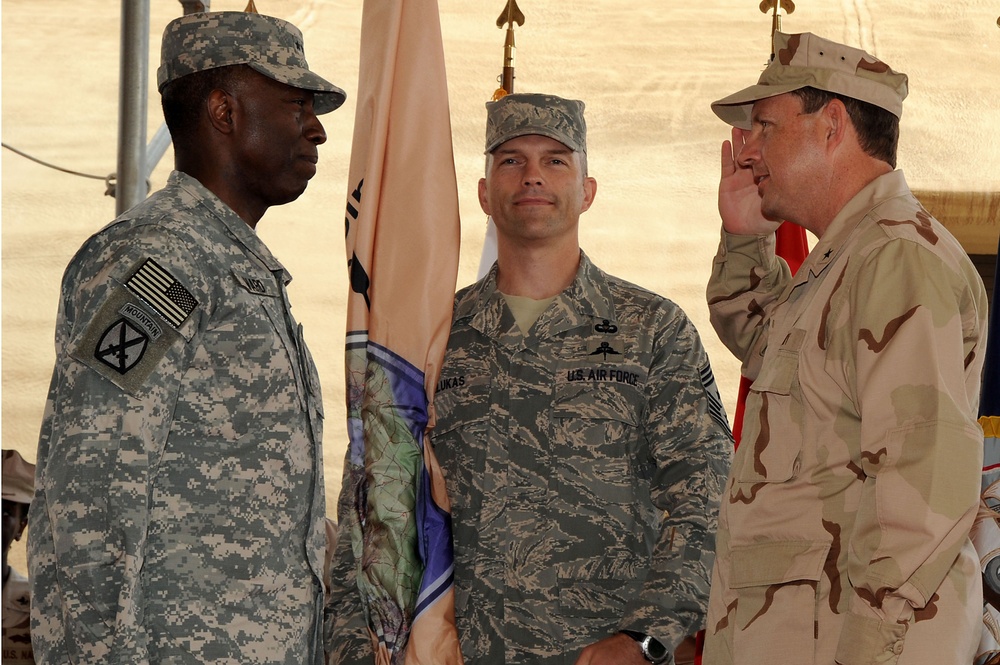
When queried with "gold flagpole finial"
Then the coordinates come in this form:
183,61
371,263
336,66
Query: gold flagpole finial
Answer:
251,8
510,15
773,6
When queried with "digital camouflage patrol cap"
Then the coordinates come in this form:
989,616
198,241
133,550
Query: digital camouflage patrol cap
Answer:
271,46
521,114
805,60
18,478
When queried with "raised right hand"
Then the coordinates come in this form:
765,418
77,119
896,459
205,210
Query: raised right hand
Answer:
739,202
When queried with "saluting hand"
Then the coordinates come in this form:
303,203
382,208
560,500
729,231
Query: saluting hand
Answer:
739,201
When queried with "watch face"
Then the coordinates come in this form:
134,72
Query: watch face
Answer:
653,649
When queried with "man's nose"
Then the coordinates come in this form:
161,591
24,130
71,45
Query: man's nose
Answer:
532,173
314,130
750,152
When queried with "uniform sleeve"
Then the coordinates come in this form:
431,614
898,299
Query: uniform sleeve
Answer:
101,441
690,442
345,630
747,277
921,448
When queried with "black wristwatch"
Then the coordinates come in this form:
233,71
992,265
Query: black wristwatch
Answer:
652,649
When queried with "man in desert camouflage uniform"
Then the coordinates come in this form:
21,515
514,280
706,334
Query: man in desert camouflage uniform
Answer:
844,528
179,511
18,491
578,427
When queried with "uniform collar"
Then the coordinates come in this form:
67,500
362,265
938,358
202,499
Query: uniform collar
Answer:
238,228
587,298
882,188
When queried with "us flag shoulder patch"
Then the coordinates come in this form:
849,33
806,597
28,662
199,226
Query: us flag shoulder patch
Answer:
162,292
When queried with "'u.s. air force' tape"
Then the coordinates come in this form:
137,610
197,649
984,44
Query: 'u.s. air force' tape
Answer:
125,341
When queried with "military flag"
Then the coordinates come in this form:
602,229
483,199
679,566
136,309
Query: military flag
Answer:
989,405
402,228
986,532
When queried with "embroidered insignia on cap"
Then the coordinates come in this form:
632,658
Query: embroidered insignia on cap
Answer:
122,346
163,293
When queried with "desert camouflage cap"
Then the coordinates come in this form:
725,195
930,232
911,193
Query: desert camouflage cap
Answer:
521,114
18,478
805,60
271,46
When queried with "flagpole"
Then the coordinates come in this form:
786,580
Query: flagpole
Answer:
773,6
510,15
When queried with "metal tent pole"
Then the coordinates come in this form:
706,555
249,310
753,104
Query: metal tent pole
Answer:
133,82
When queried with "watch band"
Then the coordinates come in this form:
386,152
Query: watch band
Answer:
652,649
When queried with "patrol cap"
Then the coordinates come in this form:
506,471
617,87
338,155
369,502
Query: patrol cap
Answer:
273,47
18,478
805,60
520,114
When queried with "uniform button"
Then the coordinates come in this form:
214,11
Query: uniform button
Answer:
897,648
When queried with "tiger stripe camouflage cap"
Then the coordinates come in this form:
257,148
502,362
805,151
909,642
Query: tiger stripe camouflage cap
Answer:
271,46
521,114
805,60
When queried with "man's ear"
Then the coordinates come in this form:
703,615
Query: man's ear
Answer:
836,122
220,110
589,192
484,199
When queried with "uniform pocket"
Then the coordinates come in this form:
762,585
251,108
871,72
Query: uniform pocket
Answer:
594,442
771,397
591,606
777,587
460,439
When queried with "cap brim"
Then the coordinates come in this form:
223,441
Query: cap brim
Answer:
736,109
18,497
328,97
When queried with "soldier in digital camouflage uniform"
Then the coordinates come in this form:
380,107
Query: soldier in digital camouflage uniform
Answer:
179,510
578,427
844,528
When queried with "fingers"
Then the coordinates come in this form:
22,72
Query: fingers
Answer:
728,163
731,152
737,135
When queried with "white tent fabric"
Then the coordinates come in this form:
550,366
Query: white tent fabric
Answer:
646,69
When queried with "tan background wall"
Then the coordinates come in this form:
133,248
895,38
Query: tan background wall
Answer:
647,69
